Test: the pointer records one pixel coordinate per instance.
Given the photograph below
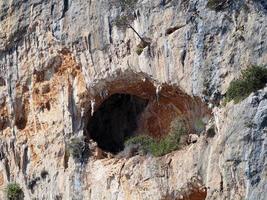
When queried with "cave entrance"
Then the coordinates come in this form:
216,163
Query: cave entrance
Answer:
116,120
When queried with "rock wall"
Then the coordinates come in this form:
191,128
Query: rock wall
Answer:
59,60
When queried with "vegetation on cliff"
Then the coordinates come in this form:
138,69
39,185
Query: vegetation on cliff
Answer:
218,5
76,147
251,80
125,20
14,192
165,145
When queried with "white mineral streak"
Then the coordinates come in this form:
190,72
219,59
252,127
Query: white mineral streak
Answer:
92,107
158,89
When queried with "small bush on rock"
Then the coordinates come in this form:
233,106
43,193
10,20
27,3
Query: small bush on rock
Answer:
76,147
126,18
251,80
140,47
14,192
163,146
139,50
218,5
143,142
128,4
172,141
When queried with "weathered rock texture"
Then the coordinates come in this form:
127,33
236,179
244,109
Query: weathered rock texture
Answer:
60,60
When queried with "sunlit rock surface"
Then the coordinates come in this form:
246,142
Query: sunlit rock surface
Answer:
60,60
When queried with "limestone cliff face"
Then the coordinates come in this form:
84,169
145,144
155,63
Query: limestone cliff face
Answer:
60,60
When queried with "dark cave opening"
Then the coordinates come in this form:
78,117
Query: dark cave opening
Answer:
116,120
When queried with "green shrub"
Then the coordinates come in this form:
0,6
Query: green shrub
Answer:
199,125
172,141
128,4
143,141
163,146
122,22
251,80
76,147
140,47
14,192
139,50
217,5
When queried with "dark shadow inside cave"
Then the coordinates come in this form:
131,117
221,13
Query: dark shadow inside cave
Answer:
116,120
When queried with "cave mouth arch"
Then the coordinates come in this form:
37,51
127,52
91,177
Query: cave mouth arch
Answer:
116,120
